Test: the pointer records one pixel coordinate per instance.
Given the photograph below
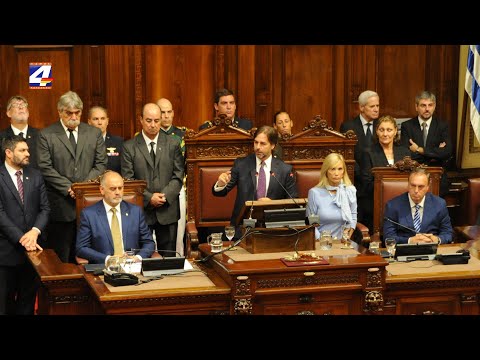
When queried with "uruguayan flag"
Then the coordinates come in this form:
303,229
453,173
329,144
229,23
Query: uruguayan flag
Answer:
472,79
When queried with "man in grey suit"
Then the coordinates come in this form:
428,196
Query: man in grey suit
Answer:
24,213
68,151
157,158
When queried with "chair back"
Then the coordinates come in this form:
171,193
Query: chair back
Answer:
393,181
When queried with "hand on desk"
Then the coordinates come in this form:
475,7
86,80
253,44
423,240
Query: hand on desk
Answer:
424,238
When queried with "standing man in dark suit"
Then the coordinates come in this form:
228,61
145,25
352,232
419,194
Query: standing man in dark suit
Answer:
245,174
363,126
68,151
225,104
24,211
433,145
157,158
98,117
94,239
433,222
17,111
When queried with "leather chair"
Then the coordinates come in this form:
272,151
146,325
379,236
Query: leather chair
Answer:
88,193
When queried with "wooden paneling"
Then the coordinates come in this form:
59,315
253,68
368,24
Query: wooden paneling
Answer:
122,90
308,83
400,76
186,76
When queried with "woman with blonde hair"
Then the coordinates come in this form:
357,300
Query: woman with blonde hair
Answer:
333,199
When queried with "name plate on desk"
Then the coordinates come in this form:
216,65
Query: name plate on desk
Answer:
264,240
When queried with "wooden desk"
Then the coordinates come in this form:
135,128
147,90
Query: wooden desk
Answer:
451,293
350,284
66,289
185,301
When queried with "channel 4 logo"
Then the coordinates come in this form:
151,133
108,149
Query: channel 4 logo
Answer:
40,75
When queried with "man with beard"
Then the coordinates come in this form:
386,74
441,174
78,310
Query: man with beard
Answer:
95,240
17,111
428,137
24,213
246,174
69,151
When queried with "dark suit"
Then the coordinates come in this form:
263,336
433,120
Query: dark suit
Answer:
17,276
61,167
30,139
165,176
94,238
434,155
244,176
245,124
113,145
435,218
361,145
373,158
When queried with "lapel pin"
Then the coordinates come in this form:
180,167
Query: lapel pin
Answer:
126,214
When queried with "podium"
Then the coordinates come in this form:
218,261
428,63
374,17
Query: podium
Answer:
263,239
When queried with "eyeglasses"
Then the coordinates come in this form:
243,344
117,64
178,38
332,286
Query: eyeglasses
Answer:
71,113
19,106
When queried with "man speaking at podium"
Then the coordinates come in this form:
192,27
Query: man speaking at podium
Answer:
258,176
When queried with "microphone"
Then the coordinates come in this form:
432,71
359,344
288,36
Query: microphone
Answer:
250,223
396,223
283,187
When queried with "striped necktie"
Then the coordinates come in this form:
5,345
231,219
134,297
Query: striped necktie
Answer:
20,184
417,223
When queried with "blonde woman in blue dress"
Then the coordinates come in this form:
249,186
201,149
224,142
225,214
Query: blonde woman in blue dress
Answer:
334,198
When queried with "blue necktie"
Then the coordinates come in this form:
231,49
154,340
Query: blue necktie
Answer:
262,182
417,223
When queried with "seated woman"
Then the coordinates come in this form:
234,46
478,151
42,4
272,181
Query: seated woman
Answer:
334,198
385,151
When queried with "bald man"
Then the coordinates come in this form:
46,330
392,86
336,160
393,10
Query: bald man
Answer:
156,157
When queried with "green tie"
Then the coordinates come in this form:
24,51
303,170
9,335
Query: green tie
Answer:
116,236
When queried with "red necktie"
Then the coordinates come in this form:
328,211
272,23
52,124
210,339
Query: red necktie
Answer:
20,184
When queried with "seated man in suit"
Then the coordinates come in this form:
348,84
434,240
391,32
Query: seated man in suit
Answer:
225,104
253,175
95,238
421,217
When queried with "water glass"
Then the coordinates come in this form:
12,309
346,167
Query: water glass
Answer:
326,240
374,247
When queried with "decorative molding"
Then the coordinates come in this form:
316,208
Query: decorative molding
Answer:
321,279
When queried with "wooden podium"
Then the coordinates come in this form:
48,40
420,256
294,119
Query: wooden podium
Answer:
279,239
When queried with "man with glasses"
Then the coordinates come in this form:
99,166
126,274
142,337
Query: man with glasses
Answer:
68,151
17,111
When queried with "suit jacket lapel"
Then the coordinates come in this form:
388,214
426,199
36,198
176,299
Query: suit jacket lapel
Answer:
103,219
62,136
125,223
81,139
7,180
144,149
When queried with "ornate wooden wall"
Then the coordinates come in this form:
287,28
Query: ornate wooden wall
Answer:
305,80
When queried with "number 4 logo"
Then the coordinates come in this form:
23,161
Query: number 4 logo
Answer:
40,76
